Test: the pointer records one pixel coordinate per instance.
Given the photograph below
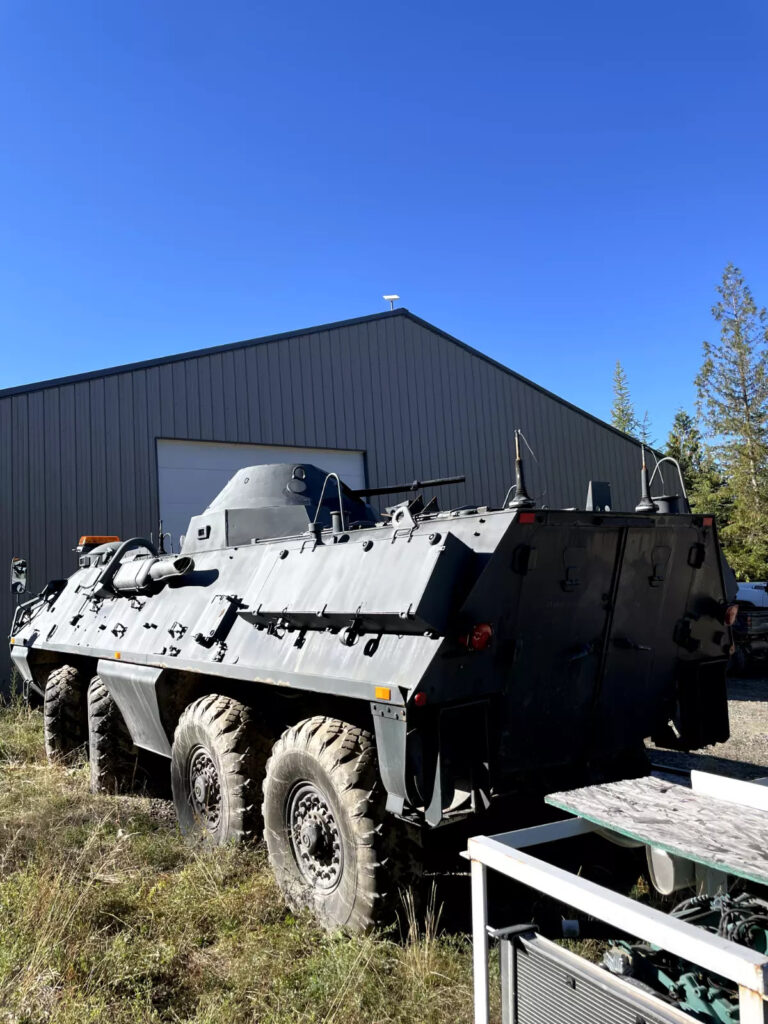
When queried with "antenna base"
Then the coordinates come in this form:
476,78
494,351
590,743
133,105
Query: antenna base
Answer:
646,505
521,501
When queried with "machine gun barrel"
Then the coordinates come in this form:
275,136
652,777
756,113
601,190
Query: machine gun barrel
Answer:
414,486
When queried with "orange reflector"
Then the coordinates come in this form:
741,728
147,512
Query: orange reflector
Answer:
117,655
708,520
526,517
97,540
383,693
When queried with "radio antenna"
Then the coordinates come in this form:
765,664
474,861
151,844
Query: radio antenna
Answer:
646,503
521,499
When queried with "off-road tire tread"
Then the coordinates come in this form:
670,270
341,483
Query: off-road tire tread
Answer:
243,745
387,850
65,724
113,757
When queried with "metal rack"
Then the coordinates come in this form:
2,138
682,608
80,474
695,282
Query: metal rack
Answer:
505,853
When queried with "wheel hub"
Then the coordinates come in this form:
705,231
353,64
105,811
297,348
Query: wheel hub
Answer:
314,836
311,837
204,787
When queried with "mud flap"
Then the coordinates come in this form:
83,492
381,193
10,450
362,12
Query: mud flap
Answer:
390,730
134,688
462,775
700,716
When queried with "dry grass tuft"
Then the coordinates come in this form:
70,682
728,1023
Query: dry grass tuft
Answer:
109,916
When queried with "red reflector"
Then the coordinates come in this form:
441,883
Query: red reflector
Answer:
730,614
527,517
479,637
419,699
708,520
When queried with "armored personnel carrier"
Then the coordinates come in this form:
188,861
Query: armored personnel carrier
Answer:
345,682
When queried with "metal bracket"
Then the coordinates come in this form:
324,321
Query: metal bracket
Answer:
574,559
388,711
660,557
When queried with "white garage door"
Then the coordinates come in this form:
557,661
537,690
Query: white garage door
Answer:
191,473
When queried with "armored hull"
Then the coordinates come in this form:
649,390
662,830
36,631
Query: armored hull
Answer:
482,652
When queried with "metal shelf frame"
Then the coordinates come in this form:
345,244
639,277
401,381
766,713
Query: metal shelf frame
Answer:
505,853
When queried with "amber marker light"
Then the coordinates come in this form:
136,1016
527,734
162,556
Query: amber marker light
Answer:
383,693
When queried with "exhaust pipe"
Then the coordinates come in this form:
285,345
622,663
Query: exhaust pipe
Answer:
163,569
141,573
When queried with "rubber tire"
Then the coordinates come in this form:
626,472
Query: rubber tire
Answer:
65,721
239,746
340,760
113,757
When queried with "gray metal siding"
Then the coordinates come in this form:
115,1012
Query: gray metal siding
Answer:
79,456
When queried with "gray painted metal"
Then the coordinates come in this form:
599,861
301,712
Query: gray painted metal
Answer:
518,645
133,687
78,455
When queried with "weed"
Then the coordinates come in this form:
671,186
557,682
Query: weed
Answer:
110,917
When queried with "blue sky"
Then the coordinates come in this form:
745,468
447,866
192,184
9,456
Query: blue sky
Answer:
557,184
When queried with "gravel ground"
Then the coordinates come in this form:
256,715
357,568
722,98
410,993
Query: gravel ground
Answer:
745,755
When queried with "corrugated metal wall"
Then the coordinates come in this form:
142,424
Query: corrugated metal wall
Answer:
78,456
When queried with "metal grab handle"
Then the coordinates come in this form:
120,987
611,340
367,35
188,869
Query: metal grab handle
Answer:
676,464
322,495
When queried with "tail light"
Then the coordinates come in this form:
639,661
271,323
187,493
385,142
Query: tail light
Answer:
479,637
730,614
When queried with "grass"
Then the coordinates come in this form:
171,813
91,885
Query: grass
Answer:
108,915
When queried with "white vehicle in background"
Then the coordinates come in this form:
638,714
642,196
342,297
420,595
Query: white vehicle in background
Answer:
750,631
755,594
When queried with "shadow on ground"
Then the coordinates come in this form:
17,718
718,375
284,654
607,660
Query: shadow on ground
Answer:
748,688
681,761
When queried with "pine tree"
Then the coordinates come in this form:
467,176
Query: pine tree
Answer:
623,411
686,445
643,431
703,479
732,401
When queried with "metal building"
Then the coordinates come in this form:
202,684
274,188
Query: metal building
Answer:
383,399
